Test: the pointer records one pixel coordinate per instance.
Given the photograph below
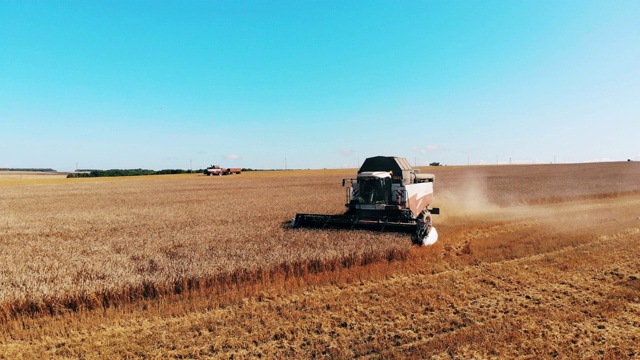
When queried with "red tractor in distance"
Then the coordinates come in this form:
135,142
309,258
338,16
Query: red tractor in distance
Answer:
217,170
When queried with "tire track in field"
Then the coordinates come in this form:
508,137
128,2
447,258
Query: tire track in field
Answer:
587,241
571,308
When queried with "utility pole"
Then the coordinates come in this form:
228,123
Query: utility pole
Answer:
191,166
285,163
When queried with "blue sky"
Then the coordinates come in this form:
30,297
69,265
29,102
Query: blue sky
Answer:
322,84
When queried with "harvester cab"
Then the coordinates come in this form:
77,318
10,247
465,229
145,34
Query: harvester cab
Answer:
387,195
370,189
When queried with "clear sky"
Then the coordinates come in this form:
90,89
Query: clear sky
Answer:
322,84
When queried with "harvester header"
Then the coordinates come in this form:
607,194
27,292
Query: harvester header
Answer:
386,195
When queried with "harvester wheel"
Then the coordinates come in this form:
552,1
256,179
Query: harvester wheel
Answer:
423,227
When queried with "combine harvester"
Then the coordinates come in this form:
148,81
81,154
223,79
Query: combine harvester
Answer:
387,195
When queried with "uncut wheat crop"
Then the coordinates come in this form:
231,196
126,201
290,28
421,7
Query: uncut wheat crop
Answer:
92,243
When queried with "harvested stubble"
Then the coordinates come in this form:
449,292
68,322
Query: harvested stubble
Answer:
95,244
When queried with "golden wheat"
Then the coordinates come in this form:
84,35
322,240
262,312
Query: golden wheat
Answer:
91,244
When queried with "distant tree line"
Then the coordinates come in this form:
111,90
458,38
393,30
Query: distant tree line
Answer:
82,173
28,169
127,172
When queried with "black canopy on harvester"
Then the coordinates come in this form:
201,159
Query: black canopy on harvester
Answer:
387,195
397,165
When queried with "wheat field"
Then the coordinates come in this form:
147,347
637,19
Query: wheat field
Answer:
534,261
90,244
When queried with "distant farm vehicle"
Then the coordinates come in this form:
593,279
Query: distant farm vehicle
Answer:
387,195
217,170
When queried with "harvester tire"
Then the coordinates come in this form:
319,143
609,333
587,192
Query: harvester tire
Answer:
423,227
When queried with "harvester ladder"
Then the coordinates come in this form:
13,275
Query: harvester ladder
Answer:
384,224
354,222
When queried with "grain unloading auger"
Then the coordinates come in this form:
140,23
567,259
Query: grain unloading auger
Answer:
387,195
